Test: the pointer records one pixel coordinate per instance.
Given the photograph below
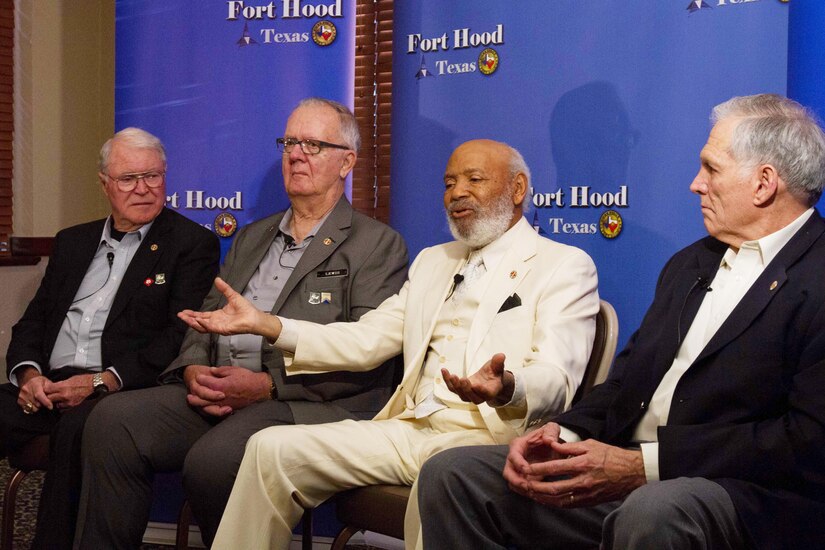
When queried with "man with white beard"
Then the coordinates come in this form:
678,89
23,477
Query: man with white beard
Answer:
496,329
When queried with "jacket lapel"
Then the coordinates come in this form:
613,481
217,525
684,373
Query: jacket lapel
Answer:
142,264
332,233
757,298
81,258
507,276
244,268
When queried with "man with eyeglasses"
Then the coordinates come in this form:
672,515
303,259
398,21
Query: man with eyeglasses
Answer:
104,318
319,261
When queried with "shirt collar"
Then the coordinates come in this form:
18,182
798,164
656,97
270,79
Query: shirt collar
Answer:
770,245
106,237
286,221
493,252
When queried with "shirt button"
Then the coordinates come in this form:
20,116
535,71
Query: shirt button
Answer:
87,319
438,380
114,277
449,337
442,359
456,322
254,297
81,350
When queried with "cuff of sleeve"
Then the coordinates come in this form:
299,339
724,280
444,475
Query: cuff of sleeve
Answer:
568,436
119,379
13,376
519,397
650,456
288,339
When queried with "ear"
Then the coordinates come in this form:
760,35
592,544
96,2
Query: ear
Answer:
349,163
767,184
519,189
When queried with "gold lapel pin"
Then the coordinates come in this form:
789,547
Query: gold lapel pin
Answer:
774,285
513,274
327,241
153,247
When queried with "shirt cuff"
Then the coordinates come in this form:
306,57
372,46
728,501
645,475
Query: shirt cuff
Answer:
119,379
650,456
13,377
288,339
519,397
568,436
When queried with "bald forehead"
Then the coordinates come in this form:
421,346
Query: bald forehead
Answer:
482,154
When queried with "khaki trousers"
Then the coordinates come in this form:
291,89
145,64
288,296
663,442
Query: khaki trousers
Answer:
289,468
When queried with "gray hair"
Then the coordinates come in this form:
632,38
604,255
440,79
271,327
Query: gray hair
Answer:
781,132
350,134
134,138
517,165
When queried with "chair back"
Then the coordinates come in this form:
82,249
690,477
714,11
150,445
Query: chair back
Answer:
604,348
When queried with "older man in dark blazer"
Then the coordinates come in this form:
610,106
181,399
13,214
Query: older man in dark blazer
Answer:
104,317
710,430
319,261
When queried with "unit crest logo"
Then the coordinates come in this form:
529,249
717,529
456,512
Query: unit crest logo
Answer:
488,61
610,224
225,224
323,33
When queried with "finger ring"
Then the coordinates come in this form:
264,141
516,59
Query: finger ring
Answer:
572,498
28,409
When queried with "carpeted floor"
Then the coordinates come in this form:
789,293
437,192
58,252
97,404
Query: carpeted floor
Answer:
25,515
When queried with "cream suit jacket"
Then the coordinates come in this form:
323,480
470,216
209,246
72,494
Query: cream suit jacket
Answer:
547,339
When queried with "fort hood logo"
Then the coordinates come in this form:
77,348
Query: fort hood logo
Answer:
324,33
610,224
488,61
225,224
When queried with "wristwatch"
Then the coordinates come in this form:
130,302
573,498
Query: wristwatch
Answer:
99,387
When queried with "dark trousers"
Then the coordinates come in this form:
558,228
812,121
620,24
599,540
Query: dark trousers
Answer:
57,512
464,502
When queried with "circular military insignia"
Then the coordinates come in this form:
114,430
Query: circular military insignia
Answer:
610,224
488,61
153,247
323,33
225,224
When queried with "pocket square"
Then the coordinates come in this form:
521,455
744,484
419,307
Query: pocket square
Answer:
510,303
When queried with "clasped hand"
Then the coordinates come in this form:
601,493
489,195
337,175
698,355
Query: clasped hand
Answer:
42,392
219,391
542,467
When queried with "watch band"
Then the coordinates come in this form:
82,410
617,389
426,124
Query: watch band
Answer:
98,384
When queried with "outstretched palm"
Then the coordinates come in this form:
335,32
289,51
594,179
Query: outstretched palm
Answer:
238,316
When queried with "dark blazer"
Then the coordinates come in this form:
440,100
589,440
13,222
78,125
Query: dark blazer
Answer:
372,261
750,412
142,334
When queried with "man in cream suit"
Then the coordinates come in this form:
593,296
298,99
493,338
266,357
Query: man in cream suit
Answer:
503,318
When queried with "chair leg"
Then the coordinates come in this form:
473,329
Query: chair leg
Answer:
182,532
343,537
306,530
9,504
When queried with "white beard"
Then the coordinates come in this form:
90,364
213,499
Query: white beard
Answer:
491,221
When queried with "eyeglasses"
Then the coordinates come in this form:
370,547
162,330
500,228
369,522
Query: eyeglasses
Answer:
127,182
308,146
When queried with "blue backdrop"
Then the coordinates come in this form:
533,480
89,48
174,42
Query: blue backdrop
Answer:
609,96
216,81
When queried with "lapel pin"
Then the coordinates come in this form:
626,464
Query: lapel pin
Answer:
774,285
327,241
148,281
160,278
513,274
153,247
314,298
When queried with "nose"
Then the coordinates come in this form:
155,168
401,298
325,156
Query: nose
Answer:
699,184
459,190
140,187
296,153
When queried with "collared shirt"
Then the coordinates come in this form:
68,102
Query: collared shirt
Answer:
78,342
736,274
263,290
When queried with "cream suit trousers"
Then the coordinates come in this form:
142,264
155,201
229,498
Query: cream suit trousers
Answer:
288,468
